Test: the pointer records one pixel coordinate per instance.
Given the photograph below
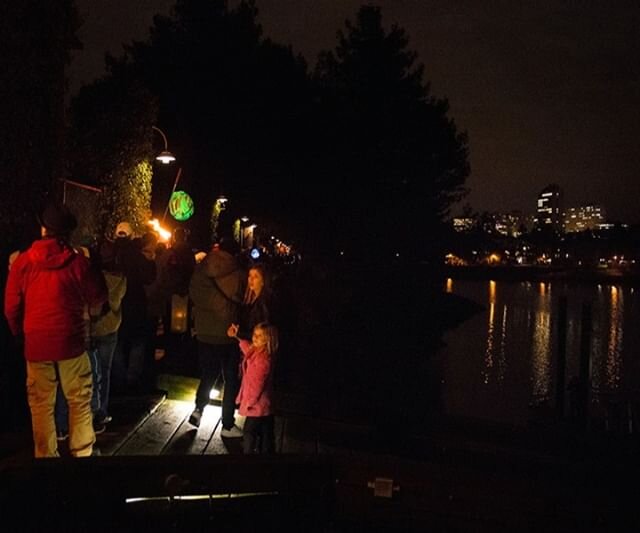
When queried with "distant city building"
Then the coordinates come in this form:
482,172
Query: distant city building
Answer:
605,226
529,222
511,224
549,209
462,224
587,217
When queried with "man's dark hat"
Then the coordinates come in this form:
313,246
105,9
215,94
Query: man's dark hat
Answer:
107,252
227,243
57,219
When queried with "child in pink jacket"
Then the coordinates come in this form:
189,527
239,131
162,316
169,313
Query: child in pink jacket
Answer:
256,387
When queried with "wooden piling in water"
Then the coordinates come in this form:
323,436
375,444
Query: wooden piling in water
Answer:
561,362
584,378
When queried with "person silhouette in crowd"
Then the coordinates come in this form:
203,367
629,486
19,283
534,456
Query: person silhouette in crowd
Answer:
104,325
48,290
258,303
216,291
180,262
104,332
136,261
175,267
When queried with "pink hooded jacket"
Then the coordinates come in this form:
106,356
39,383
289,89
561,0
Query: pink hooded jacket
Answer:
256,387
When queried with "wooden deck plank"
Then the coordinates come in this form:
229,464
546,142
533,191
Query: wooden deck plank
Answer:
129,413
144,428
219,446
153,435
189,440
291,403
298,435
278,429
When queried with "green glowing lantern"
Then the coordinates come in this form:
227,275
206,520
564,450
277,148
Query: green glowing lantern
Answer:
181,206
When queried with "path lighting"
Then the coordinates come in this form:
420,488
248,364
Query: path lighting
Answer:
241,226
165,156
179,313
218,207
249,234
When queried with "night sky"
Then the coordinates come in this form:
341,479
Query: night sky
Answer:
548,91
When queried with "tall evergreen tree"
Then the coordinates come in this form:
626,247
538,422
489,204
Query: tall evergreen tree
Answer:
37,39
389,156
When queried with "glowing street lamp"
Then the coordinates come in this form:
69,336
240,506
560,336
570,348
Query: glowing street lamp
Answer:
165,156
218,207
242,223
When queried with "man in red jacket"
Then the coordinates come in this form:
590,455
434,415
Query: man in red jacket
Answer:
49,288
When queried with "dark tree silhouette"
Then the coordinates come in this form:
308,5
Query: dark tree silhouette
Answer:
230,102
358,155
37,37
389,155
111,148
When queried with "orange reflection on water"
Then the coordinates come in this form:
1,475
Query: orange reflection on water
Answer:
490,349
542,288
488,352
449,285
616,333
502,358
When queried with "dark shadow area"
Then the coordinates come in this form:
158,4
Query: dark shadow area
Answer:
135,494
183,443
15,432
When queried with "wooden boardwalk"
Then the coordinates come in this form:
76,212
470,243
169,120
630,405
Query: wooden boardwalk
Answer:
158,425
330,475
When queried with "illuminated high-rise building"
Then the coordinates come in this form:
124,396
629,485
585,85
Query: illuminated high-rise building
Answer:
549,213
582,218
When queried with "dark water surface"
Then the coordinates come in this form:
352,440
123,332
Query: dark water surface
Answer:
500,365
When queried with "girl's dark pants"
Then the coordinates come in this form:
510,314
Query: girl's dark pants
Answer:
258,435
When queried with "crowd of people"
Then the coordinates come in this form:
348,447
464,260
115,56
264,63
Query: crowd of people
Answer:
87,321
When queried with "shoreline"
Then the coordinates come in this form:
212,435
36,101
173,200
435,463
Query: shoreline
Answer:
609,276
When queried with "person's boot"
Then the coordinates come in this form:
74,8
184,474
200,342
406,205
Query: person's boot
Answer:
195,417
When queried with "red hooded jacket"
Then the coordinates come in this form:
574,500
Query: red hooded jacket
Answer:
48,290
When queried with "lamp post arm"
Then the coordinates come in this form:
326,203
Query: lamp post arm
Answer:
164,137
175,184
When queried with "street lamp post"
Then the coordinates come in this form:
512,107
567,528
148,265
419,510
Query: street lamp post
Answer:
165,156
243,222
175,184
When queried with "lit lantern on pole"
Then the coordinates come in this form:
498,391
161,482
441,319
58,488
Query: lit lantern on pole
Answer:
179,313
181,206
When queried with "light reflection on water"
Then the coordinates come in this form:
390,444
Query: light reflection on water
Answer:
541,346
501,362
488,352
494,363
616,338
